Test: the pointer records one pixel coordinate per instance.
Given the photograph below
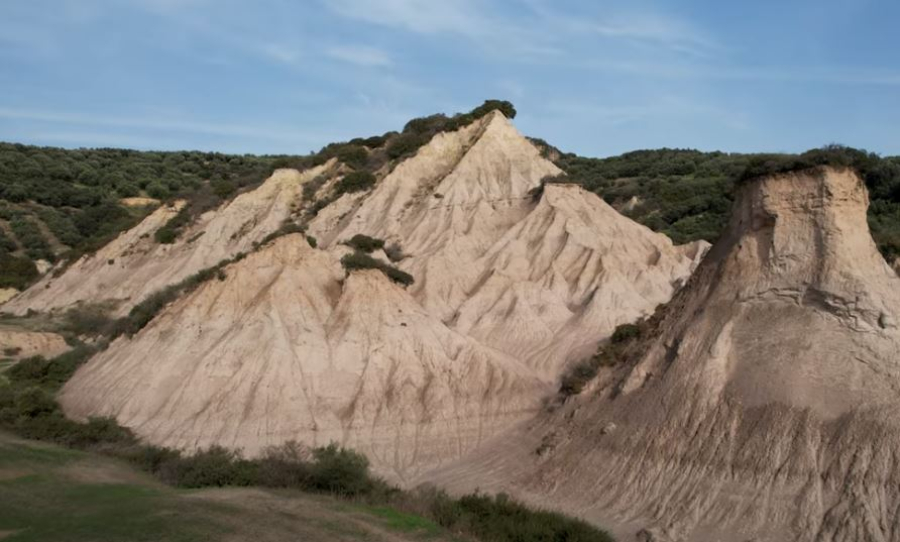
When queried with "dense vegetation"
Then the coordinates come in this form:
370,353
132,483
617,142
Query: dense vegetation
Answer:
687,194
28,407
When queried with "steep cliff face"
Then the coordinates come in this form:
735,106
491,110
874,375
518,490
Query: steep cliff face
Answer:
765,408
511,283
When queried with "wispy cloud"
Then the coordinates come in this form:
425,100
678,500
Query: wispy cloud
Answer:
420,16
256,130
360,55
279,52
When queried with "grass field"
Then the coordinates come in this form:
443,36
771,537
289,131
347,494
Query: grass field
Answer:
48,493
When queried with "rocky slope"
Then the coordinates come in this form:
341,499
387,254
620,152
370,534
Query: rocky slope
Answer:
512,282
765,406
135,265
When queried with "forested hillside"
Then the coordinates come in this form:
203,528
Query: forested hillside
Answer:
687,194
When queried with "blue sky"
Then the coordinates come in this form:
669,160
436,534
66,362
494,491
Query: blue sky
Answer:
593,77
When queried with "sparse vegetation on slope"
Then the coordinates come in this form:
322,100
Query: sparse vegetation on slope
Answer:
364,243
360,260
623,345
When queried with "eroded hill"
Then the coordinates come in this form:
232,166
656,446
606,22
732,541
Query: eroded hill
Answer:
764,404
512,281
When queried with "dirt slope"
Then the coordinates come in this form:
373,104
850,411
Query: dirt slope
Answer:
765,408
134,265
511,283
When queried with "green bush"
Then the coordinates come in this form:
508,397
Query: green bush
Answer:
16,272
341,471
358,181
213,467
406,144
33,402
172,229
359,260
623,345
31,238
364,243
354,156
61,226
625,332
88,320
311,187
502,518
284,466
50,374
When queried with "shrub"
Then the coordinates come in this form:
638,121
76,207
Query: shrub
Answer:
625,332
213,467
503,106
286,229
375,141
622,344
312,241
285,466
89,320
173,228
354,156
223,188
359,260
358,181
502,518
311,187
16,272
52,373
341,471
157,190
33,402
31,238
364,243
406,144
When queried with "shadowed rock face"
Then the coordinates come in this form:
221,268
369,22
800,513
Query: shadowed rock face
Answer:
766,406
508,288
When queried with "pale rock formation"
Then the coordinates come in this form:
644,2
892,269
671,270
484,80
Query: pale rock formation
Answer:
20,344
281,350
766,405
134,265
513,280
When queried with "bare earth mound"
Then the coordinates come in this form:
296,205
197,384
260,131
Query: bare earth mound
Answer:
511,283
765,409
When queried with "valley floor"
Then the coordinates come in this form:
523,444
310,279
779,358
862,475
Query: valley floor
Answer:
49,493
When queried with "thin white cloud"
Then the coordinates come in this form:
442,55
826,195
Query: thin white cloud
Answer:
279,52
360,55
256,131
420,16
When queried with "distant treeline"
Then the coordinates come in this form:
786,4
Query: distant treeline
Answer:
687,194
